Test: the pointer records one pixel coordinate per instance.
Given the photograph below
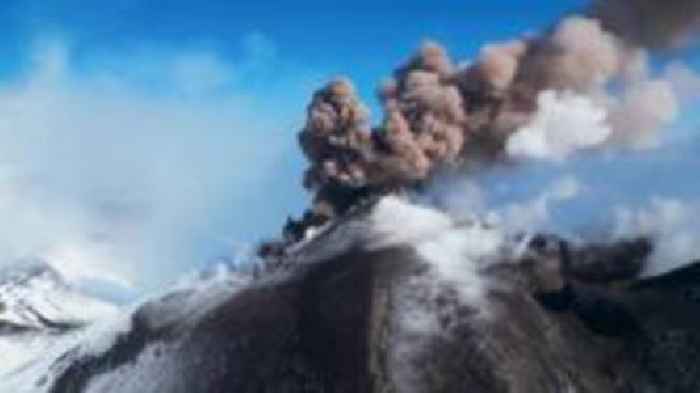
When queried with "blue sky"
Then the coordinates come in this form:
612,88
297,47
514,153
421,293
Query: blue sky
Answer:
363,39
175,121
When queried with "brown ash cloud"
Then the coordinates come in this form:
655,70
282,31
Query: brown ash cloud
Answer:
439,115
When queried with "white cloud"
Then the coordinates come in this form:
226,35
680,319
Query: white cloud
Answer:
564,122
199,73
672,223
117,181
535,214
684,80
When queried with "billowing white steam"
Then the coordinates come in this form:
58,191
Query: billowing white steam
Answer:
455,252
564,123
455,249
671,223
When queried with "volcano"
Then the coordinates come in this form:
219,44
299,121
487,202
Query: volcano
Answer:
421,266
354,309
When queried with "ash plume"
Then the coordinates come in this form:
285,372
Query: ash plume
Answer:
515,99
650,23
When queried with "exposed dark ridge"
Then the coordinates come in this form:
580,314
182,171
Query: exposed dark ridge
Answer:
686,275
614,261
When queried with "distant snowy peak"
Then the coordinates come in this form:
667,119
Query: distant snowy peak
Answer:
26,270
34,296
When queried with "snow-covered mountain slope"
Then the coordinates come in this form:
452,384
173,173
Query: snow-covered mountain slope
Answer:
38,309
160,327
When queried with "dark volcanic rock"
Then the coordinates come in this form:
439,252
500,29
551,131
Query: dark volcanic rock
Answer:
376,321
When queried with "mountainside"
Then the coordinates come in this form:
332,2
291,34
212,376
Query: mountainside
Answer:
38,309
366,308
